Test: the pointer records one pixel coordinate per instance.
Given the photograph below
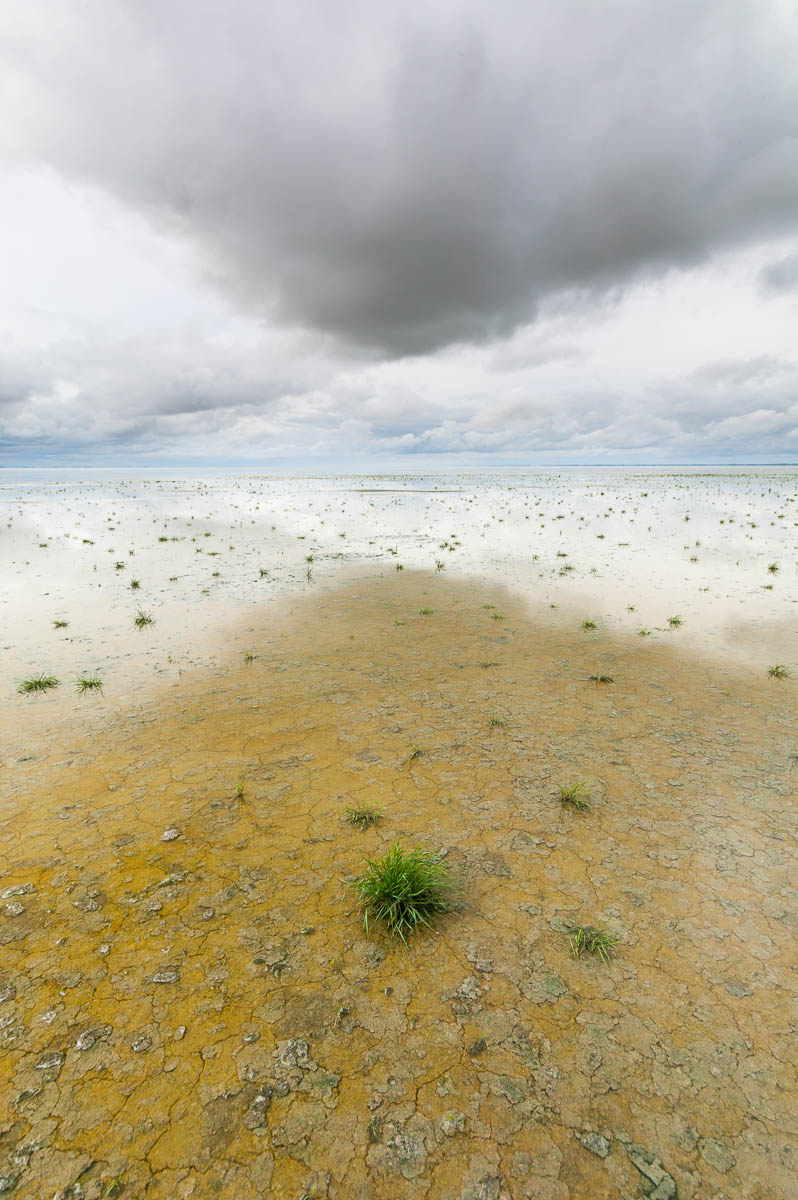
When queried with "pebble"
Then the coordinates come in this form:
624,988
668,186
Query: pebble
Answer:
169,835
170,975
595,1143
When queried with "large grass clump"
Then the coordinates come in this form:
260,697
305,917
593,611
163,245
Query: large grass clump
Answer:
37,683
404,888
587,939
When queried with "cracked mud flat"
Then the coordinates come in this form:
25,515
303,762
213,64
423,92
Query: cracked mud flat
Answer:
191,1007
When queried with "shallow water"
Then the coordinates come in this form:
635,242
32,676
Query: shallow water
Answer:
190,1006
627,547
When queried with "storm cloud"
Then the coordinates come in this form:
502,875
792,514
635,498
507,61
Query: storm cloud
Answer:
345,227
407,176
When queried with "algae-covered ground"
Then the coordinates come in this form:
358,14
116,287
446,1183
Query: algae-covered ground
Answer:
191,1006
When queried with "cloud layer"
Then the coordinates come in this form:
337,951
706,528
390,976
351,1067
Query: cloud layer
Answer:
366,184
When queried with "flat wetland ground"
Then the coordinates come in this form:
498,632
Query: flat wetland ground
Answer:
205,1015
190,1005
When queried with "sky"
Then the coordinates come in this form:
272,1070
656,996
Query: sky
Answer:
329,231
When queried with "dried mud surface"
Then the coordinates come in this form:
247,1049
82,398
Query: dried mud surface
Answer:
192,1008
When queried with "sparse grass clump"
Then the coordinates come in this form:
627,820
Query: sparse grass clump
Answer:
240,789
778,672
496,722
37,683
364,815
675,622
426,612
574,795
60,624
588,624
774,568
404,888
89,683
142,618
588,939
135,584
600,677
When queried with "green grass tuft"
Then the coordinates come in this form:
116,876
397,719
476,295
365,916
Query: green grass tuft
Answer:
588,624
588,939
37,683
404,889
601,678
142,618
779,671
675,622
89,683
365,815
575,795
60,624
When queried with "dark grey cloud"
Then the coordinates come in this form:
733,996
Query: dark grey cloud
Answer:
402,176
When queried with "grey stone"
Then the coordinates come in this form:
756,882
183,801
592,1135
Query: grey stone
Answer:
650,1166
52,1061
595,1143
168,975
452,1122
19,889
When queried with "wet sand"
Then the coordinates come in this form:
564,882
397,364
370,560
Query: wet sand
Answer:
203,1015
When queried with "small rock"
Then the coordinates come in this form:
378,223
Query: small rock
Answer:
595,1143
170,835
169,975
180,1033
91,1036
452,1122
650,1166
142,1044
477,1047
293,1053
19,889
7,1183
15,909
50,1062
